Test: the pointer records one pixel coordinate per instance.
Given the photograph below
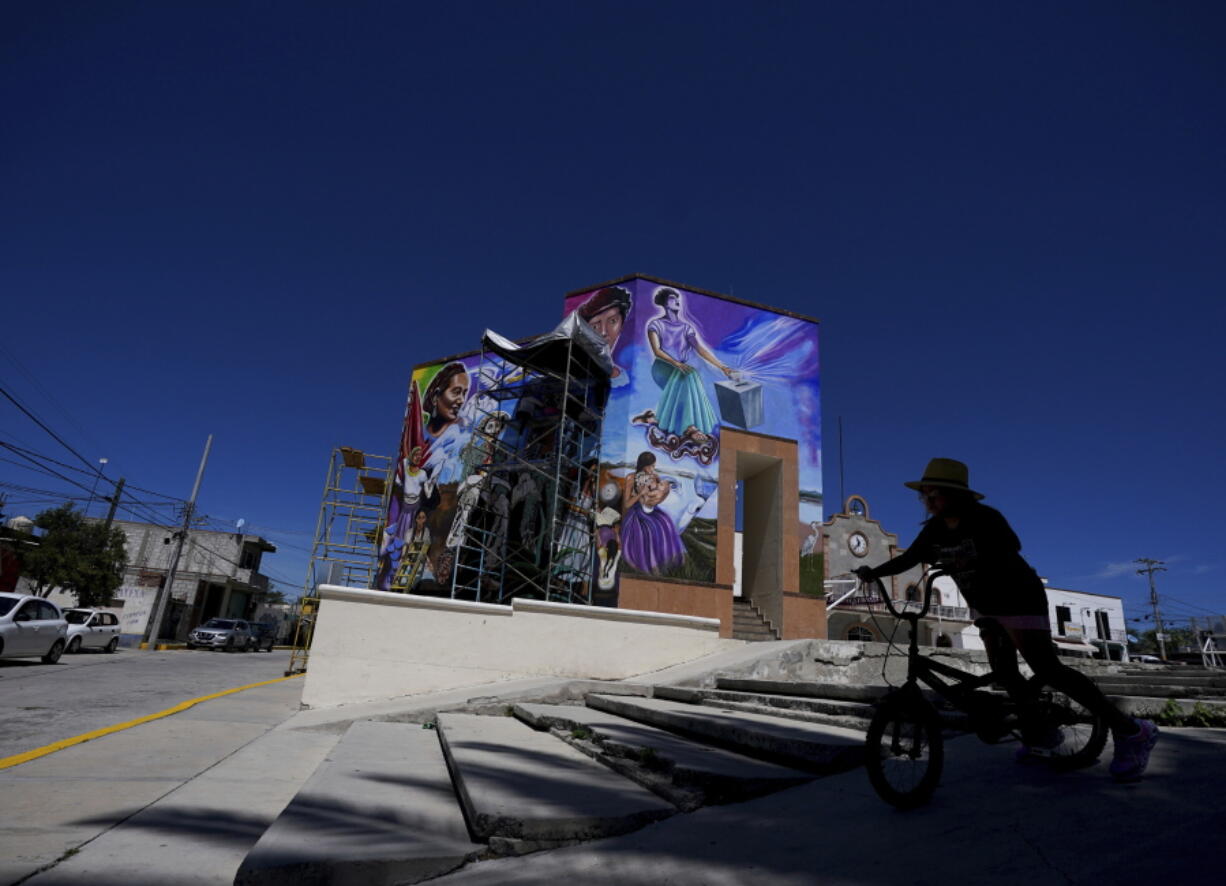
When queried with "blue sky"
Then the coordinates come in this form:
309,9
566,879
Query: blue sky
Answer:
251,220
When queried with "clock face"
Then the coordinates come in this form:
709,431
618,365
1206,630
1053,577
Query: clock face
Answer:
857,543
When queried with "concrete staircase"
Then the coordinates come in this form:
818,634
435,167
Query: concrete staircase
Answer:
399,803
1150,689
748,622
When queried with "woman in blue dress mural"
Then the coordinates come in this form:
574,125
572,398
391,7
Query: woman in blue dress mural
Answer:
684,408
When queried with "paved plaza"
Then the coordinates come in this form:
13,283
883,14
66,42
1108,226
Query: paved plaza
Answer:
183,799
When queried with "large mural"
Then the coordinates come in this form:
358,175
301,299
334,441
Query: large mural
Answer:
686,366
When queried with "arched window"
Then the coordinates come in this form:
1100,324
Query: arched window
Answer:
913,594
861,633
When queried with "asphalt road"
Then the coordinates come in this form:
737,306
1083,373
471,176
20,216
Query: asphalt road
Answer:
41,704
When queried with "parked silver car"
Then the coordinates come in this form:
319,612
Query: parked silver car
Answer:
221,633
91,629
31,627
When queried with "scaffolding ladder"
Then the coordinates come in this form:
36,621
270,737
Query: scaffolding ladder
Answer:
412,564
351,512
304,631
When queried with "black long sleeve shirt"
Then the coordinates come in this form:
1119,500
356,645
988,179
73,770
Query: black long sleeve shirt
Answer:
983,555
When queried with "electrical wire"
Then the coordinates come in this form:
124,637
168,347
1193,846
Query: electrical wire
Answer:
92,471
34,418
33,380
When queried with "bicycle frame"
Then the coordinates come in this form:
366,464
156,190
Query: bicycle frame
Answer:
922,669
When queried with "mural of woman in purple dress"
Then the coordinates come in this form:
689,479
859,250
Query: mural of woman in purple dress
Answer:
684,408
650,541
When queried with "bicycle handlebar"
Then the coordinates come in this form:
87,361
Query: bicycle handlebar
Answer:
928,581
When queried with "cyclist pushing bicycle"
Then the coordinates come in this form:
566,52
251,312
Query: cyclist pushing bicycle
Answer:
974,544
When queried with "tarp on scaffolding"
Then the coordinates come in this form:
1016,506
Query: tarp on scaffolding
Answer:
552,350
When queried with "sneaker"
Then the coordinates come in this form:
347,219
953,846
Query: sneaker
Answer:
1039,747
1132,751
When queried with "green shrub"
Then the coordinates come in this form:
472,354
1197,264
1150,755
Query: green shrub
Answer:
1172,714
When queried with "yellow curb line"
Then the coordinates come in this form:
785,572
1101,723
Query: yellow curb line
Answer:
26,757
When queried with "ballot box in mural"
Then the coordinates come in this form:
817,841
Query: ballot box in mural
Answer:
740,402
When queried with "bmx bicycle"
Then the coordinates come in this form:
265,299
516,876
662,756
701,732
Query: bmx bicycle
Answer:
905,743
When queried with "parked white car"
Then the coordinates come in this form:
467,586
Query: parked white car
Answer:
31,627
91,629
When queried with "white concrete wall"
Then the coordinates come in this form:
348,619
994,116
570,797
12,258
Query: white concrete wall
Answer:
375,646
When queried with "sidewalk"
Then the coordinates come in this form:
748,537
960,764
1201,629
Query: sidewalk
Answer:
177,800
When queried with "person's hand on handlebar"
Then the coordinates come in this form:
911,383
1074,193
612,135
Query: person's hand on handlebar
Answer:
865,574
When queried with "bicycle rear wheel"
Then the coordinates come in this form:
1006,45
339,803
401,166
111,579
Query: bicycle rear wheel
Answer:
1082,734
905,753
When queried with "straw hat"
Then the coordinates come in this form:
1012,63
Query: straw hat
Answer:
945,473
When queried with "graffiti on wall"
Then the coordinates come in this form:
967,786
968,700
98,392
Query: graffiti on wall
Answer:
687,365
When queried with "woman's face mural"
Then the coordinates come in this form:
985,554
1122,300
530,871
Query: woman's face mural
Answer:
608,325
452,397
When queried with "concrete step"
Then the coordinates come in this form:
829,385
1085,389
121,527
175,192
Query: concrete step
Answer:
1164,680
1159,690
749,624
517,784
868,693
708,774
380,809
810,746
836,712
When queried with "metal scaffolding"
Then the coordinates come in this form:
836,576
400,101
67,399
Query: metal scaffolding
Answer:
524,516
351,512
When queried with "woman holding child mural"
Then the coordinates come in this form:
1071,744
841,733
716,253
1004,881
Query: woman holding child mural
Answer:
650,541
684,408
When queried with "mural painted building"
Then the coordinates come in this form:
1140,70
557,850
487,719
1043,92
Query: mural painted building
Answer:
707,441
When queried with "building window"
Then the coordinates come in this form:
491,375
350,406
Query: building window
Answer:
861,633
249,559
1063,616
1104,625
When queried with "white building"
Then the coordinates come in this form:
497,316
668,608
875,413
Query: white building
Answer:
1087,624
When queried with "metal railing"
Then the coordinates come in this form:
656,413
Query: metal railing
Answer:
1209,655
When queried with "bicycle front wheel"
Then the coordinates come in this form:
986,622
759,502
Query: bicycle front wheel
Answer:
905,754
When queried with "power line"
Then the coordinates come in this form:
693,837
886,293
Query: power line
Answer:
34,418
50,397
137,509
1190,605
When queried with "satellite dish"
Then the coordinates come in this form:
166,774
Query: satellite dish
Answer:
239,524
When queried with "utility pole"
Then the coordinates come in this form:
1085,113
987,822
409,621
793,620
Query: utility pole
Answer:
1149,568
110,514
154,627
101,469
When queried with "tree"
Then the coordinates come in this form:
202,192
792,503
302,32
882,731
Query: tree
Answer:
85,559
1177,640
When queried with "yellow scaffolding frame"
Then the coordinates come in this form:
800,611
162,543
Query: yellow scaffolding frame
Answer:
346,546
